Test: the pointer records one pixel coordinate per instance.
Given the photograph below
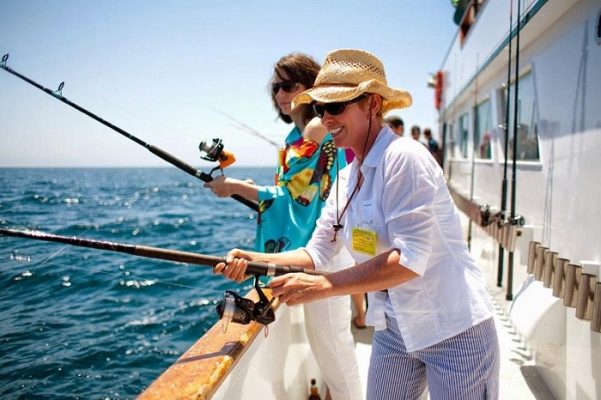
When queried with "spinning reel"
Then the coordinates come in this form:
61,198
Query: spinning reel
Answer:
237,309
215,152
489,216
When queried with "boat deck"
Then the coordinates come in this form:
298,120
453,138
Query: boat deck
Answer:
363,350
519,378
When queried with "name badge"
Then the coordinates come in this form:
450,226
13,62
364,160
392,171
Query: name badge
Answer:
365,241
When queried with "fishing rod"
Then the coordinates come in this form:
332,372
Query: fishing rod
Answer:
513,218
254,268
506,147
233,307
474,152
58,94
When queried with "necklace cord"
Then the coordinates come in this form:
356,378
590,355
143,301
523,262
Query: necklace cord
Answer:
338,226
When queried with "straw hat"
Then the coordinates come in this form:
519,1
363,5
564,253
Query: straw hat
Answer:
349,73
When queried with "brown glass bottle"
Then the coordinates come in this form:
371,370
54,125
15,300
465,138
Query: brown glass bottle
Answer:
314,391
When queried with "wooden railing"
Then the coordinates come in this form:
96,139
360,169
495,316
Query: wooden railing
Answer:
578,289
502,230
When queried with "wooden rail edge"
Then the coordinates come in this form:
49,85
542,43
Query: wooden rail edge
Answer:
199,372
577,289
492,223
467,206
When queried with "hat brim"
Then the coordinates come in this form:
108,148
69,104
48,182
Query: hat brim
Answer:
393,98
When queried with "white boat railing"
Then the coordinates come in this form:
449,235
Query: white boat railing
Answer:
244,362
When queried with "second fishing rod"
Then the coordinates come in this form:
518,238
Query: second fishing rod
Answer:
233,307
213,153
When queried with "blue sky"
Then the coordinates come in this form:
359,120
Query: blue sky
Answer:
160,69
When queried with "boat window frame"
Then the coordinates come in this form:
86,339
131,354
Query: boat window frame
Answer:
451,140
598,28
476,146
535,118
469,19
464,153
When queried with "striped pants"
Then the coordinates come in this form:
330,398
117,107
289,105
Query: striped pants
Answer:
463,367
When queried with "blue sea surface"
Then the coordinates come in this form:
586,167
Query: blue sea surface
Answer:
93,324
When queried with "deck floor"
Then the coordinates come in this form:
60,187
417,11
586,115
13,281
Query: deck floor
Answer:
518,376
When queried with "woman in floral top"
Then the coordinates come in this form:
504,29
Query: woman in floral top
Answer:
288,210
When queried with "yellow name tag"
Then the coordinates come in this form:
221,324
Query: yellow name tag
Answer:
364,241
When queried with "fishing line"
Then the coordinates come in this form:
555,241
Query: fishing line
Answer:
233,308
182,165
129,274
136,276
130,200
242,126
181,257
136,115
53,255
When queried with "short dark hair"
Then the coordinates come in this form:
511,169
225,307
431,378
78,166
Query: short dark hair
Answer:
299,68
395,121
427,132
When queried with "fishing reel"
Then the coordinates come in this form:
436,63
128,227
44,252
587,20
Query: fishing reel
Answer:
489,215
215,152
240,310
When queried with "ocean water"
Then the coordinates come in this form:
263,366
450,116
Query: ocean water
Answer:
93,324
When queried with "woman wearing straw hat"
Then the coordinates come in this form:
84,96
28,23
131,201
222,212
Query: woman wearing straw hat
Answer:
288,211
393,212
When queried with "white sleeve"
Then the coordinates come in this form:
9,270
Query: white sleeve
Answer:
408,200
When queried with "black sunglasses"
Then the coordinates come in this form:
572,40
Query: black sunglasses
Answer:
334,108
286,86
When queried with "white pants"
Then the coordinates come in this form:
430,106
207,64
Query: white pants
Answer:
328,327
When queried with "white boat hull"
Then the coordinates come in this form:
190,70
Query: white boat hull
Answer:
557,193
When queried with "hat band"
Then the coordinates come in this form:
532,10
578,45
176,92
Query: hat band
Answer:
344,85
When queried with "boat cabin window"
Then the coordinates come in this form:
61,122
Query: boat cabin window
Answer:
451,140
464,133
483,132
527,143
466,12
599,28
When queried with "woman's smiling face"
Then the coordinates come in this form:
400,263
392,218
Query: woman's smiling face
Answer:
349,128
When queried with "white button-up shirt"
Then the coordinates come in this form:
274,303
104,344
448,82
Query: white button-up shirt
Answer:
404,199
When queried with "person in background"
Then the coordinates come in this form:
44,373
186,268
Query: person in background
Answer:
427,298
306,174
430,141
433,146
396,124
416,132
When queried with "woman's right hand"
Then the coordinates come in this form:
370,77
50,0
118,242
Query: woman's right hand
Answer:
234,267
224,186
221,186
